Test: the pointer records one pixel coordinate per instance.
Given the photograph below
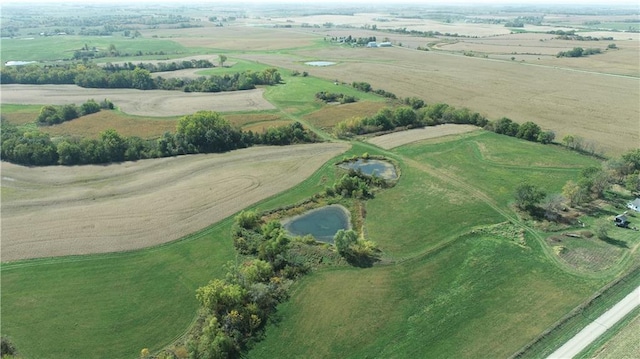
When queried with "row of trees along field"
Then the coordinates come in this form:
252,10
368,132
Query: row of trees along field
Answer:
52,115
93,76
418,114
202,132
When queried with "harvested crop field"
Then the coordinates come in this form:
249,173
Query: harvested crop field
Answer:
137,102
57,211
397,139
599,107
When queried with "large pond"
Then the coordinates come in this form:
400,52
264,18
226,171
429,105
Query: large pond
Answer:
319,63
322,223
377,168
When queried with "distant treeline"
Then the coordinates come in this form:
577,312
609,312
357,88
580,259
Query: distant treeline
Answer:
52,115
335,97
140,78
366,87
161,66
202,132
417,114
579,52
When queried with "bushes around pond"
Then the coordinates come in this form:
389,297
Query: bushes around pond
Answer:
234,310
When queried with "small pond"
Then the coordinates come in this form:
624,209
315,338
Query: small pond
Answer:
377,168
319,63
322,223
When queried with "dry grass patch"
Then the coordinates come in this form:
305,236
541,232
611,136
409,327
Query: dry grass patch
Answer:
243,119
92,125
329,116
57,211
158,103
596,106
261,127
400,138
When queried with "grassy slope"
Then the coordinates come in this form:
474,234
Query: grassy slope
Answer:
111,306
449,295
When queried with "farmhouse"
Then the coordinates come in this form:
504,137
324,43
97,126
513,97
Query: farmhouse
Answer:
634,205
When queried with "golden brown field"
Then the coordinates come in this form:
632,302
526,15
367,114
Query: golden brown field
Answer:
597,106
329,116
92,125
57,211
158,103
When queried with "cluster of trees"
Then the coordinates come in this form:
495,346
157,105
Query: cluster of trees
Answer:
366,87
51,115
335,97
202,132
527,131
354,249
161,66
359,41
593,182
579,52
138,78
416,115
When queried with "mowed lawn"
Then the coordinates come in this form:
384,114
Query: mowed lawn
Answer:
444,290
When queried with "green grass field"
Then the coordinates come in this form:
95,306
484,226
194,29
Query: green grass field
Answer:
40,48
445,289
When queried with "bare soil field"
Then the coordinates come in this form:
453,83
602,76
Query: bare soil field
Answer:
57,211
136,102
397,139
599,107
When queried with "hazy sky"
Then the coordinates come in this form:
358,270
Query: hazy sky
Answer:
385,2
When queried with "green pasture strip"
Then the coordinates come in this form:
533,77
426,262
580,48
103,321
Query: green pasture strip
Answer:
480,296
113,305
6,108
581,316
233,66
51,48
297,95
110,305
625,335
502,164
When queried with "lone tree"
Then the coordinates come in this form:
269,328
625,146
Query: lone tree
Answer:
528,196
222,59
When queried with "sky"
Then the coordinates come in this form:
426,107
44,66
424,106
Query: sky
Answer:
360,2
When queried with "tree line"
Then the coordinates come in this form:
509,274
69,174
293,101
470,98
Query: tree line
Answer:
93,76
52,115
328,97
202,132
579,52
415,113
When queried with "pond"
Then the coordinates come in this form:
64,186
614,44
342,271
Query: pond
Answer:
319,63
377,168
322,223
